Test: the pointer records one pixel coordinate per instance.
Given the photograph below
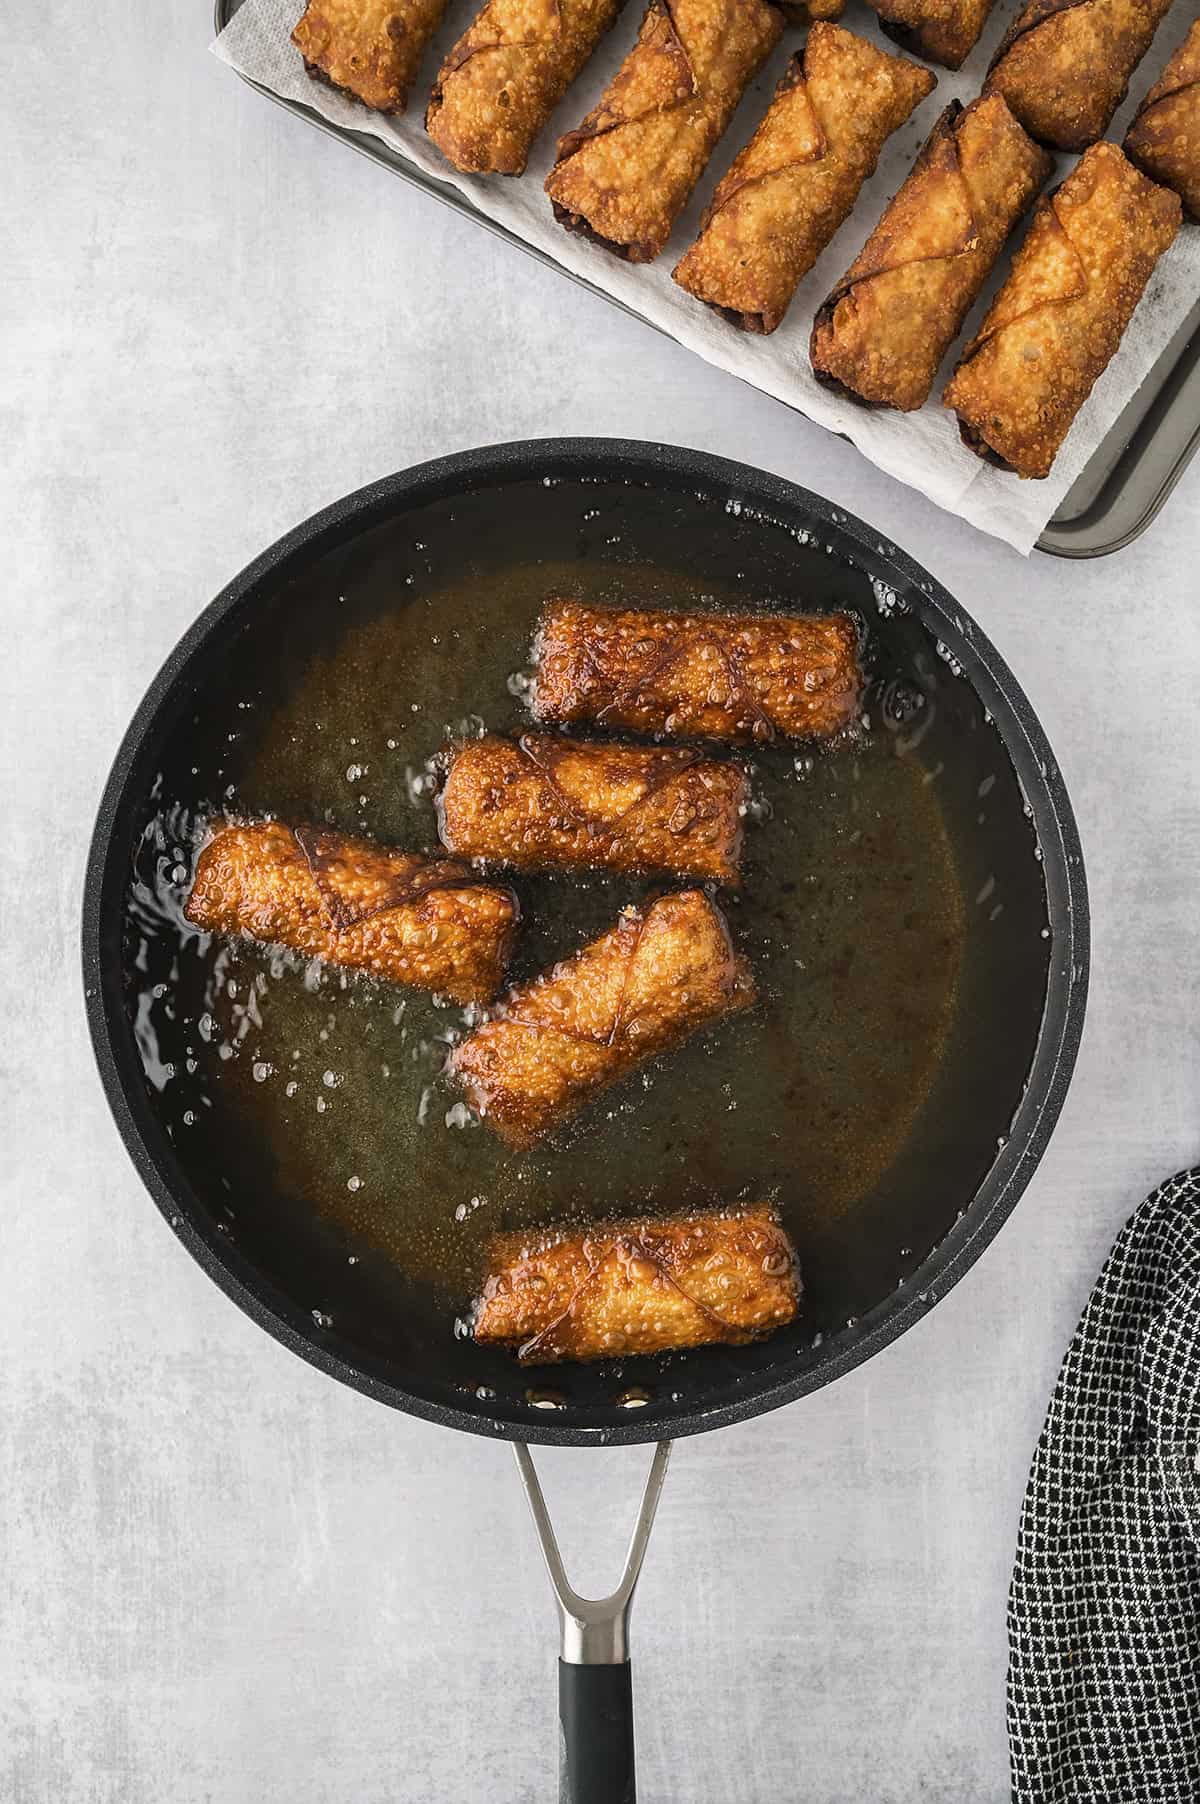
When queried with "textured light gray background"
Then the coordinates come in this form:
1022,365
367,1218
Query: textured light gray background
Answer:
225,1578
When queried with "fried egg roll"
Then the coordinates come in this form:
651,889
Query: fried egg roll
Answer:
1064,65
735,677
369,48
885,328
1164,139
942,31
505,76
1054,325
542,801
426,922
639,1286
649,983
799,176
624,176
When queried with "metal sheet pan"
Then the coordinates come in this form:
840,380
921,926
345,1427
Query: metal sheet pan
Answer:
1116,496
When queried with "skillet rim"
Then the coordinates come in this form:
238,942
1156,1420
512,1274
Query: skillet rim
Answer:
1037,772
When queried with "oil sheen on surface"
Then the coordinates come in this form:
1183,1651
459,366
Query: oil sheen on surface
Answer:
311,1105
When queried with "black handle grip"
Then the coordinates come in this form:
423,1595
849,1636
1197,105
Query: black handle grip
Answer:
595,1710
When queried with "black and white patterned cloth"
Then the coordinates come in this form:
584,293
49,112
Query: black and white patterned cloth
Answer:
1104,1613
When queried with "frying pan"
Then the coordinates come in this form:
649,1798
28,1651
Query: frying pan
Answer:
977,1137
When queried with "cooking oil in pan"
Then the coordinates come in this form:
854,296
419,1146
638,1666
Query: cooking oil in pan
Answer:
310,1107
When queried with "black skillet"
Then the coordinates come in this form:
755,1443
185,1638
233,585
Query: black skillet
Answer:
233,713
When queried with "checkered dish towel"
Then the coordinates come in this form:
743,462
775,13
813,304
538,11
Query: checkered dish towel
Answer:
1104,1613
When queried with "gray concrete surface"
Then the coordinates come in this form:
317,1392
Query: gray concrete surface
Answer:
225,1579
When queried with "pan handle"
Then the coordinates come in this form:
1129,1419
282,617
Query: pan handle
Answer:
595,1694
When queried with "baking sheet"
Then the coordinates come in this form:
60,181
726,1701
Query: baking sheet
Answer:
1133,438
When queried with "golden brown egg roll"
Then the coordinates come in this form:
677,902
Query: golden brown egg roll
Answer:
649,983
639,1286
799,176
885,328
370,48
1164,139
737,677
505,76
1064,65
1054,325
624,176
426,922
542,801
942,31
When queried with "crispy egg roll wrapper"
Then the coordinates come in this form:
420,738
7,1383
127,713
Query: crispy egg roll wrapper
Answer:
542,801
624,176
369,48
942,31
505,76
795,182
1064,65
426,922
1164,139
1054,325
649,983
737,677
639,1286
885,328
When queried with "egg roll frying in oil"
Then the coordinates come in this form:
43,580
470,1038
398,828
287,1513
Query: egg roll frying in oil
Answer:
425,922
738,677
639,1286
543,802
665,971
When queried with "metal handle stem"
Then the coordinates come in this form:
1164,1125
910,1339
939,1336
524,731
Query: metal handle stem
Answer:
595,1630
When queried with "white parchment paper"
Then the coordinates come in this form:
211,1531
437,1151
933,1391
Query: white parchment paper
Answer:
921,449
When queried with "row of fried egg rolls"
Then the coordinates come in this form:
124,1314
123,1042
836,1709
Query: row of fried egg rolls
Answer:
662,972
625,174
